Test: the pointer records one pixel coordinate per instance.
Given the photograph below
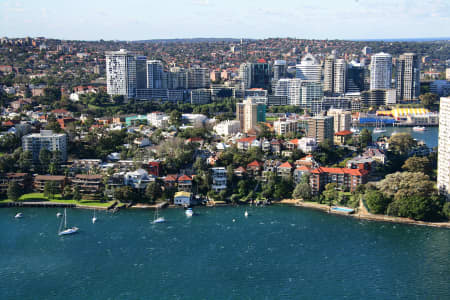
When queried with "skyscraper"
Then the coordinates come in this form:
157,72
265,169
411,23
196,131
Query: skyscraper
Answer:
356,75
141,72
328,72
321,128
255,75
443,176
381,71
309,69
408,77
279,70
339,76
121,73
250,112
198,78
156,78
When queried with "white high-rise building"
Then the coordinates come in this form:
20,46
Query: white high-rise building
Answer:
121,73
381,71
198,78
443,176
328,73
245,74
312,92
309,69
339,76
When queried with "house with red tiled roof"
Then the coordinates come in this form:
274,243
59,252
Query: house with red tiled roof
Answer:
240,171
299,172
245,143
61,113
346,179
170,181
254,168
285,170
63,122
185,183
342,137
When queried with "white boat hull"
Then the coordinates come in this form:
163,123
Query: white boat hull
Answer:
159,220
189,213
69,231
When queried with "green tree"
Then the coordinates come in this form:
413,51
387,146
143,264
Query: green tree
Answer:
429,100
50,189
153,191
401,185
330,194
76,194
45,157
175,117
401,143
365,138
302,191
417,164
376,201
67,192
417,207
446,210
14,191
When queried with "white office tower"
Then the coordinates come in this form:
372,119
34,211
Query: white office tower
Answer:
339,76
328,72
121,73
381,71
443,177
312,92
291,88
155,75
279,70
408,77
309,69
245,74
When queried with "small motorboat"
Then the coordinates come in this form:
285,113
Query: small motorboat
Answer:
18,215
189,212
58,215
94,218
419,128
157,219
246,214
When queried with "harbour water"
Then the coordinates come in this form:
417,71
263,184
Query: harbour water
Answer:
430,136
275,253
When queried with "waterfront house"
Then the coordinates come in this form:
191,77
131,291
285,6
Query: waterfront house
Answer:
170,181
185,183
182,198
219,178
138,179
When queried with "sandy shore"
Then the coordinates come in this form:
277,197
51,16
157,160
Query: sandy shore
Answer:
363,214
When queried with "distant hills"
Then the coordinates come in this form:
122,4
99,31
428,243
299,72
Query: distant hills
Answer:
188,40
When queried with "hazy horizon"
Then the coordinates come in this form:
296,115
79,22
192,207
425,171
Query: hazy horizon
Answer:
182,19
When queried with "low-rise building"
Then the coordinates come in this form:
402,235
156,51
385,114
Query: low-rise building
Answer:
88,184
284,170
228,127
40,180
22,179
219,179
185,183
283,126
182,198
342,137
346,179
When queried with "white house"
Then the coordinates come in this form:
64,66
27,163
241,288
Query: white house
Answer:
219,178
137,179
228,127
182,198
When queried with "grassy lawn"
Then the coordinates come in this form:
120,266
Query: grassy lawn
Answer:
271,119
38,197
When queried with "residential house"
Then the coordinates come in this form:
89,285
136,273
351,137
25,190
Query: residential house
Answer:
185,183
245,143
240,172
376,154
254,168
342,137
285,170
170,181
219,178
299,172
276,146
154,168
137,179
270,167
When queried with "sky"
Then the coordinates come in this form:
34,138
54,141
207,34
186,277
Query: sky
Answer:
150,19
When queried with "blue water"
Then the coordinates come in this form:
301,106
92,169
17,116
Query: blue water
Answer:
275,253
430,136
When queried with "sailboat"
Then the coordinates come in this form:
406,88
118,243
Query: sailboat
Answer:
65,230
157,218
18,215
246,214
379,128
94,218
58,214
